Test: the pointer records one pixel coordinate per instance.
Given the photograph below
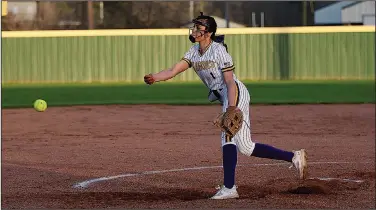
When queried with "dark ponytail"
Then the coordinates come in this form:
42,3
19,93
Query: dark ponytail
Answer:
219,39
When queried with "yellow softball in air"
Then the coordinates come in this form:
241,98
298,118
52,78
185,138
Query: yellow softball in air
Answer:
40,105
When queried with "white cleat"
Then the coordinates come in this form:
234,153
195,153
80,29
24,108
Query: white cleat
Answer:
225,193
300,163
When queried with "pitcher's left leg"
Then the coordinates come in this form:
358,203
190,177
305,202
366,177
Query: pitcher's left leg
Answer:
229,158
247,147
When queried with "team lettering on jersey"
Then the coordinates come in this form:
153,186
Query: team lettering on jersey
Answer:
203,65
210,64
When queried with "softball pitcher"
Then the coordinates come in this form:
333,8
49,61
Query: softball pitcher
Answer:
213,64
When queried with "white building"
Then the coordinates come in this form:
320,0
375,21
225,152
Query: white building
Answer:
331,14
346,12
23,10
359,12
4,8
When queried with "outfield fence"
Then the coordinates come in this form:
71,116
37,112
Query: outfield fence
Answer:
301,53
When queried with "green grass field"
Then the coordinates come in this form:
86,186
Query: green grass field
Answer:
14,96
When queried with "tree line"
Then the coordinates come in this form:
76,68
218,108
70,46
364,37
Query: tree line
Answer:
157,14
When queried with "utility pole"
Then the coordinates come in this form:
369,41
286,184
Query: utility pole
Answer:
227,15
101,11
304,13
191,9
90,15
202,6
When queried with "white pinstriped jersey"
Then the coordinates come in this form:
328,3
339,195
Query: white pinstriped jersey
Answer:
211,65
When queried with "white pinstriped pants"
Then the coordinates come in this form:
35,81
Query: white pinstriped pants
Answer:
242,139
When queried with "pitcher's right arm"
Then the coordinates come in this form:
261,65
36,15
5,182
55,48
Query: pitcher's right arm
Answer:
178,68
171,72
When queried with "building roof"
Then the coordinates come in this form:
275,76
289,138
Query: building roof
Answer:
352,4
321,4
341,4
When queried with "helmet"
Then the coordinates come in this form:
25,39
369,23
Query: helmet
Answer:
210,27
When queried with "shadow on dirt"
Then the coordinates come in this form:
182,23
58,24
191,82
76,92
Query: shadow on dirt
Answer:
310,187
160,195
331,185
155,195
255,192
316,186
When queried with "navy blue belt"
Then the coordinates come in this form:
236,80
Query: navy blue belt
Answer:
216,93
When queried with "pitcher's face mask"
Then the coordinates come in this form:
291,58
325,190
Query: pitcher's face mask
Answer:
198,29
202,26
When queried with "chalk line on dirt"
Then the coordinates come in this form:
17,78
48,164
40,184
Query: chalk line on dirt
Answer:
85,184
338,179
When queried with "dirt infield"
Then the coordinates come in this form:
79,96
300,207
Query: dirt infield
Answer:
45,154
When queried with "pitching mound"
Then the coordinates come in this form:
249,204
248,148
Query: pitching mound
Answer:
311,187
327,185
314,186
